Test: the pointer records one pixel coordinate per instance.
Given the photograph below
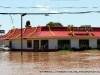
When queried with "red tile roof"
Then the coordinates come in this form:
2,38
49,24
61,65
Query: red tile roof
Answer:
32,32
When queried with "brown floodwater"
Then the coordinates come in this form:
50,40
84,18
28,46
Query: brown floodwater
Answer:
49,63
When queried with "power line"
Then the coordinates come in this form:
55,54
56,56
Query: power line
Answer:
51,13
11,18
94,7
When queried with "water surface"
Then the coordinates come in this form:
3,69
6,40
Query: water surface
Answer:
36,63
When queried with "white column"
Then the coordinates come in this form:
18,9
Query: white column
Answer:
24,44
6,42
93,43
16,44
75,43
53,43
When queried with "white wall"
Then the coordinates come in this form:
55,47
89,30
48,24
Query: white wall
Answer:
6,42
93,43
16,44
1,41
53,43
75,43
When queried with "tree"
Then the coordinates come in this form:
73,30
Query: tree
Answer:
54,24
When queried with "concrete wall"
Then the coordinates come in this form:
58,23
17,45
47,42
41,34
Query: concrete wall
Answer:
53,43
1,41
16,44
75,43
6,42
93,43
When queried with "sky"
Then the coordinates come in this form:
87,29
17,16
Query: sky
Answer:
8,23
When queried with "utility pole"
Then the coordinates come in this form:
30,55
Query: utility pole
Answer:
22,33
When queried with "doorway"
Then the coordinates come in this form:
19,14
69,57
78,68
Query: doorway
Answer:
98,43
10,44
63,44
44,44
36,45
84,44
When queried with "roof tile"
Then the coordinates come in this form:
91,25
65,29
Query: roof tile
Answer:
45,32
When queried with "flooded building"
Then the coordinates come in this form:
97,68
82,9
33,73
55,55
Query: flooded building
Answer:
51,38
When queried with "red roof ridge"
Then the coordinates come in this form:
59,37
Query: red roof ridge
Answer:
39,32
22,32
8,33
12,32
33,31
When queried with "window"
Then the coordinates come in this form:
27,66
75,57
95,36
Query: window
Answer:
63,44
43,42
29,43
36,45
98,43
83,43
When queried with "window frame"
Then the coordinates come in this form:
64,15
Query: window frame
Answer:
29,43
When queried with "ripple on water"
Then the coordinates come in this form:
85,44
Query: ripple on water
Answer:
12,63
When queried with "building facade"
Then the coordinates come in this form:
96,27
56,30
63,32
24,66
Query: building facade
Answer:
51,38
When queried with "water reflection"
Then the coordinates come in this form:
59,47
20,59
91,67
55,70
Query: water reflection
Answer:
12,63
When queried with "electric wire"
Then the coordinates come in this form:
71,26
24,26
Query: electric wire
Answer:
11,18
95,7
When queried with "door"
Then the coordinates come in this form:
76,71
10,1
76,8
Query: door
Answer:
84,43
98,43
44,44
36,45
10,44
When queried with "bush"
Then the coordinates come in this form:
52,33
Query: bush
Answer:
73,48
69,49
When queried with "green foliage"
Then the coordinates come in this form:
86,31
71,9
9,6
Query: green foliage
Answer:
54,24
